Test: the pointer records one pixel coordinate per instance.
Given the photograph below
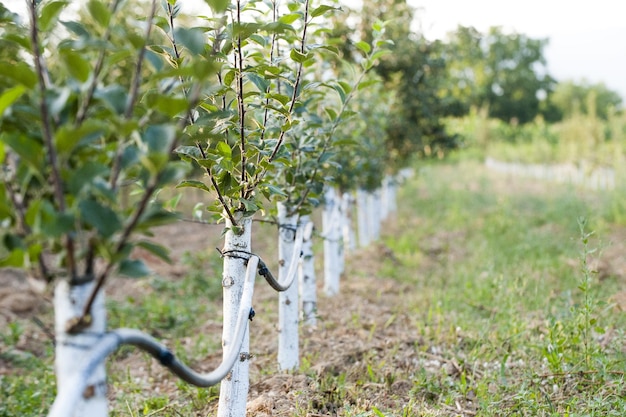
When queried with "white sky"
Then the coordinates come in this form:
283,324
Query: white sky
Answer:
587,37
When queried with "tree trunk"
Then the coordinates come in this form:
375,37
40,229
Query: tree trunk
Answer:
373,211
237,248
362,218
288,340
71,348
349,238
332,242
308,290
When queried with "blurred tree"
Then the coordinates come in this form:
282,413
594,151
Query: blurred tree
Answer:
504,72
572,98
415,72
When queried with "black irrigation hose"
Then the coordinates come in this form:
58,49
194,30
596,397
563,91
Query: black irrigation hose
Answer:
71,391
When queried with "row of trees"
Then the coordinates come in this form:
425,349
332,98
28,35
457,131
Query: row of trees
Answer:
101,112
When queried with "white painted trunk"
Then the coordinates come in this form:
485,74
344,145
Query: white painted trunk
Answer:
332,242
306,272
384,199
362,218
71,349
388,203
288,340
234,388
373,211
347,231
392,197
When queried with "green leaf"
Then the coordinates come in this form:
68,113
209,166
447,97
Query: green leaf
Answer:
290,18
49,14
19,72
218,6
171,106
320,10
55,224
16,258
76,65
99,12
155,249
156,215
26,147
9,96
298,56
194,184
189,151
224,149
100,217
133,268
85,175
69,136
363,46
193,39
159,138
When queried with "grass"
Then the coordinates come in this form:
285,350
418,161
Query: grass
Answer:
488,296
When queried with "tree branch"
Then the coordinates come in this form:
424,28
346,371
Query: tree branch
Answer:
84,105
47,131
134,93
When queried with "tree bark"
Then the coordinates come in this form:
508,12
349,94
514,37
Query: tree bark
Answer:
306,272
237,248
71,348
288,318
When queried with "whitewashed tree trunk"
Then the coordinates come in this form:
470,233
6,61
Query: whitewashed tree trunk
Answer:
362,218
234,388
339,222
332,237
306,272
288,317
349,238
71,348
388,203
392,195
373,211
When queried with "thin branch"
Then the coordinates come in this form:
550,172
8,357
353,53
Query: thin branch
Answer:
242,108
84,105
47,131
76,325
134,93
217,190
294,96
298,79
24,228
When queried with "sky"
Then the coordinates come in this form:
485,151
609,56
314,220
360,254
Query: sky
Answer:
587,39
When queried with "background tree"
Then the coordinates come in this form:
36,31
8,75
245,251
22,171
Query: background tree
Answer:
504,72
583,97
414,71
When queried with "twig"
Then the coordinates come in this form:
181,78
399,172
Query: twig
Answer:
294,95
242,108
78,324
132,97
47,132
84,105
217,189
